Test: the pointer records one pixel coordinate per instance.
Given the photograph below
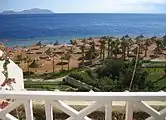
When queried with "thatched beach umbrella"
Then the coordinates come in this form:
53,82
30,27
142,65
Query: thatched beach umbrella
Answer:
35,64
127,36
48,51
73,42
62,62
56,43
153,38
140,37
59,51
39,43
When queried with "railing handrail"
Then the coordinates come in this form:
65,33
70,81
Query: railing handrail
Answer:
113,96
99,99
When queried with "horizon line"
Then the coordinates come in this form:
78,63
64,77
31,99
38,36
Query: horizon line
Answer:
1,12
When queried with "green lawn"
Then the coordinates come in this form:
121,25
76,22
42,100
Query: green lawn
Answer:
155,74
55,75
51,86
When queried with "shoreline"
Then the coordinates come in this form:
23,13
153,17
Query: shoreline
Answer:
22,42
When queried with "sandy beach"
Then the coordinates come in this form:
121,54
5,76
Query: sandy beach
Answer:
47,55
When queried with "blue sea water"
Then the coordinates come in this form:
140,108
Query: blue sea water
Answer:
28,29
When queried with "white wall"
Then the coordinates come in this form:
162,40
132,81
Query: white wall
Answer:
14,71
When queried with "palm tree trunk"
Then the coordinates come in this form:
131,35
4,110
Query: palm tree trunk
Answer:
62,64
103,52
108,50
139,49
83,57
91,55
146,50
68,64
128,51
116,54
28,68
53,63
111,52
124,53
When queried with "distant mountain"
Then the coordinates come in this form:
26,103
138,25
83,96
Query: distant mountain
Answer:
30,11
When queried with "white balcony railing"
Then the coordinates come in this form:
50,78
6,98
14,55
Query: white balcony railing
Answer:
99,99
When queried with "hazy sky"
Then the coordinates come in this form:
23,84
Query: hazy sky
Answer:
88,6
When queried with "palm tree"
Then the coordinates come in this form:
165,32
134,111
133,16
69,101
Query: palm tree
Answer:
51,54
164,40
62,58
84,41
102,49
19,57
116,49
146,46
69,62
68,57
124,45
53,64
159,46
139,40
109,45
91,52
83,57
128,47
28,60
129,43
112,47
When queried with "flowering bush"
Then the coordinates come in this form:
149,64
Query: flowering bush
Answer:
9,81
4,104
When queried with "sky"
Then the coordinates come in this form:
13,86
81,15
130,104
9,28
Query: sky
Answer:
88,6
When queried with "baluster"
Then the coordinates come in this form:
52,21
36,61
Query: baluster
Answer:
48,110
108,111
129,111
28,109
